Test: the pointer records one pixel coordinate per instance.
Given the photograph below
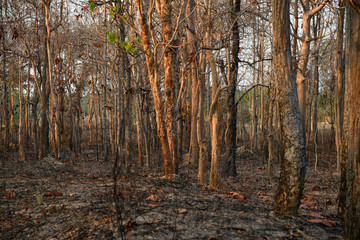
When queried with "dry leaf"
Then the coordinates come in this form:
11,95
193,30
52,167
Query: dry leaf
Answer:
153,198
326,222
237,196
150,205
20,212
182,210
54,193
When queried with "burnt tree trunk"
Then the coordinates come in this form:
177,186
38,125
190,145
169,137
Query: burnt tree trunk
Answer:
293,156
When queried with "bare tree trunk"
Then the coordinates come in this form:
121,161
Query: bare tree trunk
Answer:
105,134
153,77
270,133
214,111
34,117
351,146
54,117
192,48
340,82
21,139
304,57
254,120
293,156
231,106
138,131
164,9
4,75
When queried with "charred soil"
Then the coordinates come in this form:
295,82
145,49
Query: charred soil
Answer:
52,200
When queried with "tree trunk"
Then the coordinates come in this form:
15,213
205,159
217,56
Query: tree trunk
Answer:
304,58
213,111
293,157
54,117
230,137
169,107
340,82
105,134
153,77
192,48
21,139
351,152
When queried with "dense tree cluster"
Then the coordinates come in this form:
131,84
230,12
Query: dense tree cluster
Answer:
187,82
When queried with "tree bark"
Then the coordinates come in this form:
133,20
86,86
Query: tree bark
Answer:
340,82
293,157
351,152
153,77
192,48
169,106
304,57
230,137
21,139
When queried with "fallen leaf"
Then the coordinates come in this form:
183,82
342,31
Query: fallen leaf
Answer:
316,215
222,195
326,222
153,198
20,212
261,168
237,196
182,210
90,175
54,193
150,205
308,203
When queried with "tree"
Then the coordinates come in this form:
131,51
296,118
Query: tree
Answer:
304,55
153,77
351,140
293,157
231,106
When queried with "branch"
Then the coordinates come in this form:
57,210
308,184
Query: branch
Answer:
214,101
317,9
247,91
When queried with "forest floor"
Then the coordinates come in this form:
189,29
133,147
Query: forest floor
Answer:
51,200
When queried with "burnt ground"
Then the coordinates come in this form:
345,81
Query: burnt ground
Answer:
51,200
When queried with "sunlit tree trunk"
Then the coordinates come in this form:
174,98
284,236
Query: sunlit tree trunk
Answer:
165,9
153,77
293,156
213,113
351,146
54,117
304,56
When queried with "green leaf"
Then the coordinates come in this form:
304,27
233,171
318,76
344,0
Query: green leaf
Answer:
138,40
111,37
112,11
114,8
92,6
128,47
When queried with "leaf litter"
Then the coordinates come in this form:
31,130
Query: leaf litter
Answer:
74,201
